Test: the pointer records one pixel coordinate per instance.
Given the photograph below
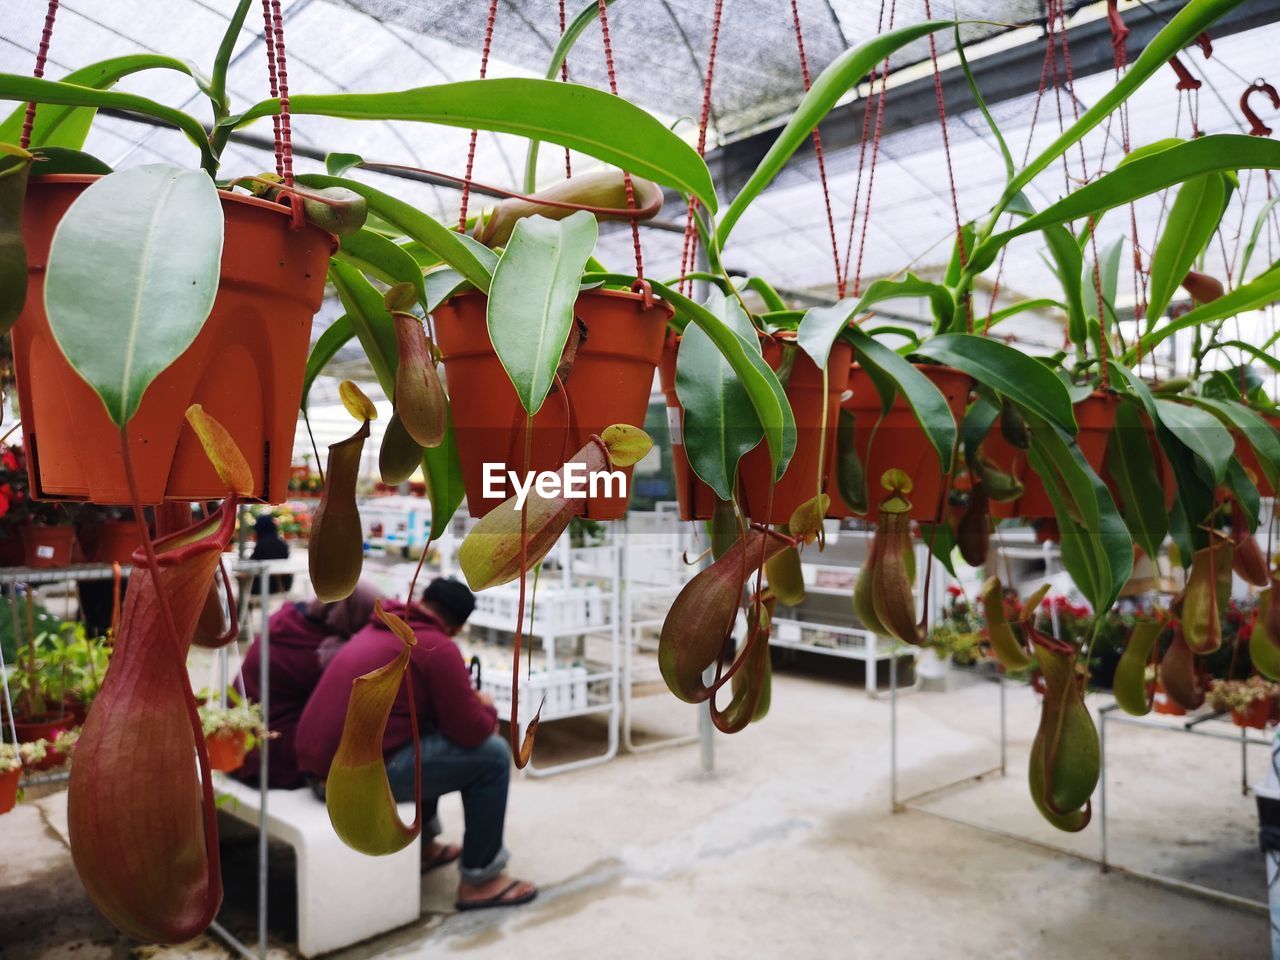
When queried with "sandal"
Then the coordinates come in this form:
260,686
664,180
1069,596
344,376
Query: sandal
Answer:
500,899
447,855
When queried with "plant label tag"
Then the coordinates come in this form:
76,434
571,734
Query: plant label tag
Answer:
673,426
44,552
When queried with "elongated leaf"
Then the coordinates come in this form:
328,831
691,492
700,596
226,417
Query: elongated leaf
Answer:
909,287
58,125
1069,262
1257,433
1259,224
378,257
133,272
820,327
15,167
1024,306
449,245
149,857
334,338
1187,24
926,401
568,37
841,75
720,425
581,118
530,309
1201,433
1139,178
13,87
1133,469
1011,373
1193,217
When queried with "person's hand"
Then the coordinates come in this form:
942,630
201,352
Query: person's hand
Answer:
484,698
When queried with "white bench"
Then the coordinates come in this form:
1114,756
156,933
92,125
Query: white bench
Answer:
343,896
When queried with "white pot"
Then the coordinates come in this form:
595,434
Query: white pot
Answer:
932,667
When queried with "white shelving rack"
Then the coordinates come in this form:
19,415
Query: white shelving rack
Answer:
572,622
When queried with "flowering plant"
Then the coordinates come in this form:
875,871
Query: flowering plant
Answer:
1240,695
238,716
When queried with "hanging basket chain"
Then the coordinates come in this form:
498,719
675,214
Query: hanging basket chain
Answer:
626,175
564,78
862,159
689,251
875,153
269,39
42,55
490,19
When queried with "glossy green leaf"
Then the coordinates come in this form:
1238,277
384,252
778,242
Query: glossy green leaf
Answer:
66,160
133,272
719,423
1201,433
1193,217
530,309
334,338
382,259
909,287
222,59
926,401
59,125
449,245
1133,470
581,118
13,87
1259,434
1024,306
1068,261
840,76
1011,373
1259,224
15,167
568,37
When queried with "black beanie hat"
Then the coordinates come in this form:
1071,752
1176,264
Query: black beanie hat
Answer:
452,597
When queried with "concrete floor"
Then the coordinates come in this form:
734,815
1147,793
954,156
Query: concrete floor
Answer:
789,850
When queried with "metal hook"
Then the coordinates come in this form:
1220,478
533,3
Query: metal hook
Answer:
1257,127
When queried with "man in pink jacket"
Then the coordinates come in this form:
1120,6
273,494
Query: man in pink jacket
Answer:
457,728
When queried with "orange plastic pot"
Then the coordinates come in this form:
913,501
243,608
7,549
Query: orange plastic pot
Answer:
609,383
9,789
245,367
227,750
48,546
899,442
1164,704
117,539
763,500
1249,460
1256,716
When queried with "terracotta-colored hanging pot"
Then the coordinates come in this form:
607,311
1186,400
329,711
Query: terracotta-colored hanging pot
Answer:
44,728
1164,704
1256,716
9,789
227,749
48,546
245,367
801,480
899,442
609,382
1249,460
117,540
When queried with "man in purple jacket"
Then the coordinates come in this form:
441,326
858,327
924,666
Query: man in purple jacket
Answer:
457,727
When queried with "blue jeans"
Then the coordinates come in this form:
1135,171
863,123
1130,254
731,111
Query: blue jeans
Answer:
481,775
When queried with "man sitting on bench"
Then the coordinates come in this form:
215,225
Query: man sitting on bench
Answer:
457,726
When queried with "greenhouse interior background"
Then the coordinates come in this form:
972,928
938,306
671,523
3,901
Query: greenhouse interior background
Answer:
934,347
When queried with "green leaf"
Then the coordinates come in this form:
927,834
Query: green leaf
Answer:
1245,492
1201,433
1193,217
378,257
1254,295
15,167
222,59
926,401
909,287
572,31
1069,263
1133,469
1187,24
448,244
14,87
1259,434
581,118
1104,272
335,336
1139,178
133,272
720,425
1011,373
66,160
841,75
535,286
1264,217
972,81
67,126
1023,307
820,327
941,541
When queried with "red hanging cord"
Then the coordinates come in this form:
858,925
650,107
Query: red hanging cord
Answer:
875,153
564,78
471,146
689,251
269,38
817,149
862,159
626,175
42,54
282,76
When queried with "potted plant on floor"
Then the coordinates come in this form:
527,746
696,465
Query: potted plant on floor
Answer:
1250,702
231,730
13,758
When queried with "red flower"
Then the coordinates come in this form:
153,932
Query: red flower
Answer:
954,590
9,460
